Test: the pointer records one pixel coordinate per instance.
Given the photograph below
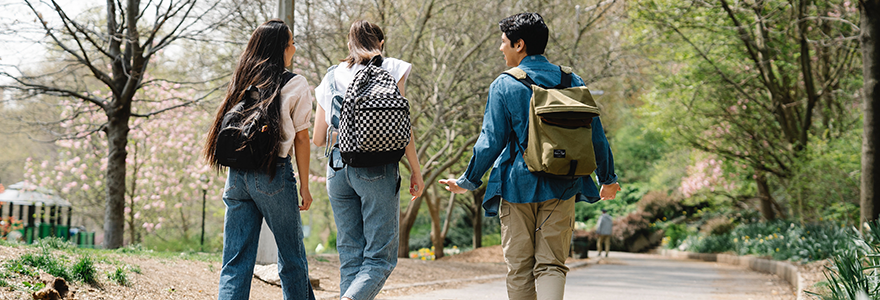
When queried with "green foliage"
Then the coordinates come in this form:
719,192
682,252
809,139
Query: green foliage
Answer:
54,243
780,240
493,239
137,269
625,202
854,272
45,261
133,249
836,163
331,241
637,148
119,276
17,266
675,234
708,244
84,270
33,287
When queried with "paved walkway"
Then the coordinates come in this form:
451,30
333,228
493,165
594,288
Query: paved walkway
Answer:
642,276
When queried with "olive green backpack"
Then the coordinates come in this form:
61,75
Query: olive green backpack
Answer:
560,142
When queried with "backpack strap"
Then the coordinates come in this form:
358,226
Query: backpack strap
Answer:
565,81
328,140
523,77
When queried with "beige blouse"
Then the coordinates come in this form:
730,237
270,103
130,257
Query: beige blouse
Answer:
296,112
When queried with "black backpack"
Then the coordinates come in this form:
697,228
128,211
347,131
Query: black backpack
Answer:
374,125
247,145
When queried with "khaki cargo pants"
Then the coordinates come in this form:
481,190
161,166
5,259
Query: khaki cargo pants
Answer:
536,259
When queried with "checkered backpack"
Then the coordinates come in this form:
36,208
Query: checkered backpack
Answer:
374,125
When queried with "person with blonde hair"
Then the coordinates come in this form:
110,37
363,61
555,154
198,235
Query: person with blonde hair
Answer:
365,200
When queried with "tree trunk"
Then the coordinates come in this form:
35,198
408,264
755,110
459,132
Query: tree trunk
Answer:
450,208
407,220
114,213
476,208
870,27
764,196
433,202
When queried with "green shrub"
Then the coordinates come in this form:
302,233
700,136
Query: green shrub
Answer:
137,269
17,266
51,243
709,244
133,249
836,164
854,272
119,276
675,234
489,240
84,270
46,262
779,240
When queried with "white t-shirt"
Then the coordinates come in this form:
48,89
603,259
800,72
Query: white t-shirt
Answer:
344,75
296,112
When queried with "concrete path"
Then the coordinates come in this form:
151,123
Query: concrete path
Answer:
642,276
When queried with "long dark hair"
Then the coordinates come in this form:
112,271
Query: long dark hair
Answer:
364,42
261,65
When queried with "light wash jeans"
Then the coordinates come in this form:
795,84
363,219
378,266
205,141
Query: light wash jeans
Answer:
366,207
251,196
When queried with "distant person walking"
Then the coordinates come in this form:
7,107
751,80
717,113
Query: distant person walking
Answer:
269,191
603,228
536,211
365,200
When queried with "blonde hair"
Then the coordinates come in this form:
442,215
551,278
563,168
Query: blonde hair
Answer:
364,42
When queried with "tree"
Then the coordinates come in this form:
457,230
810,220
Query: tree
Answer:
752,78
870,28
114,53
165,175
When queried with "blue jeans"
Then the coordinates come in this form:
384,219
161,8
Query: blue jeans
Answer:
366,207
251,196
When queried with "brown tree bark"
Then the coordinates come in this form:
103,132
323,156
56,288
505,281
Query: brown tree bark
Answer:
870,27
767,207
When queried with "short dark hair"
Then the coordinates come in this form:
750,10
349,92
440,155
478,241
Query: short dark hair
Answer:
528,27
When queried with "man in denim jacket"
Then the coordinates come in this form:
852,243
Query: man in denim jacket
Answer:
537,213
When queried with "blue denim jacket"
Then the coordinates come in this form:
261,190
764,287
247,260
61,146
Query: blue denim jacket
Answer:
505,122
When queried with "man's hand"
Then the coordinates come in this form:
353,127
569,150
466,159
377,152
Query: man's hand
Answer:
452,186
306,199
609,191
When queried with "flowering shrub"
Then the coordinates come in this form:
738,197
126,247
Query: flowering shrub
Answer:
7,225
165,175
778,240
424,254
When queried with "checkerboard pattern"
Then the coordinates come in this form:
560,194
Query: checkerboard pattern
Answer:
374,116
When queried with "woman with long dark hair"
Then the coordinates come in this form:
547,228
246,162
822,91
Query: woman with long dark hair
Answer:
270,191
365,200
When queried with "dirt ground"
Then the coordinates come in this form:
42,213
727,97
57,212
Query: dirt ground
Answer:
172,278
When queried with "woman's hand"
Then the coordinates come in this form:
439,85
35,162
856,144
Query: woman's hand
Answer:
416,185
306,199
